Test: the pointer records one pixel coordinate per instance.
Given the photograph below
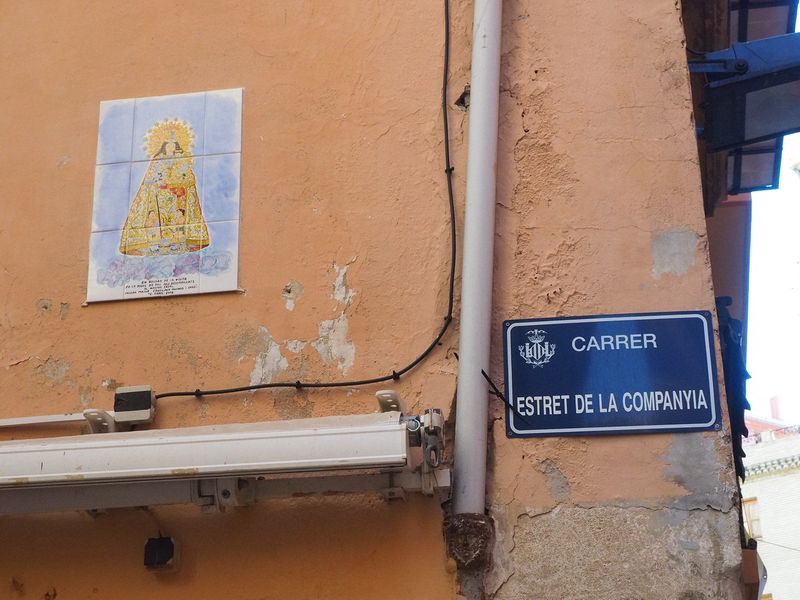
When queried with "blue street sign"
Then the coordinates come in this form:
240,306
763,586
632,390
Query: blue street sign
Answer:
638,373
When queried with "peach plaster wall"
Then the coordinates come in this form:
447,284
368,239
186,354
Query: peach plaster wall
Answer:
599,211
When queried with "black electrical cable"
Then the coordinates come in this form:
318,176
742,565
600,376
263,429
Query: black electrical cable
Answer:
495,391
394,375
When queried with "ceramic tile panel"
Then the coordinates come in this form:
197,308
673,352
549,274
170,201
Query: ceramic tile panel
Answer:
219,267
220,198
177,183
111,186
165,219
223,124
115,133
183,115
107,268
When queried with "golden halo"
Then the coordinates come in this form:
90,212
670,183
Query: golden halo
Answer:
168,130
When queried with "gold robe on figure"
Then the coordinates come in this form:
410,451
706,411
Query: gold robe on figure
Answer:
165,216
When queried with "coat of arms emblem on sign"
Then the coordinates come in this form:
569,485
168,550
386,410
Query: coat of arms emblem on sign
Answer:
537,351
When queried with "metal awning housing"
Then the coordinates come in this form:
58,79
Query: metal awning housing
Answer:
224,465
342,442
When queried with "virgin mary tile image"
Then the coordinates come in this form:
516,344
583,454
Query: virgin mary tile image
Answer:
166,201
165,216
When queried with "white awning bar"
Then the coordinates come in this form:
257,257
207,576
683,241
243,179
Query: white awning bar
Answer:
341,442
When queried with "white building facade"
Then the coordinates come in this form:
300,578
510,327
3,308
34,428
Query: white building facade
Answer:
771,503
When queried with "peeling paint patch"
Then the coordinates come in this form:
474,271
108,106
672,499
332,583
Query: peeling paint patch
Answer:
270,361
692,463
635,537
63,310
202,412
186,471
54,369
333,345
291,293
295,346
673,251
290,405
110,384
341,292
556,481
242,343
182,350
85,396
44,305
502,567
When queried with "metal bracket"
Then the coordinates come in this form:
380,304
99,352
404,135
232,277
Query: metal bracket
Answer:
723,66
432,446
426,431
413,430
132,406
100,421
235,491
42,420
432,443
389,401
394,493
217,495
204,495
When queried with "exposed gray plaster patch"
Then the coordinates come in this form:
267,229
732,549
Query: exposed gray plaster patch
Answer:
607,553
692,463
502,567
291,293
244,342
269,361
54,369
673,251
110,384
333,344
295,346
85,396
556,482
291,405
44,305
202,411
342,293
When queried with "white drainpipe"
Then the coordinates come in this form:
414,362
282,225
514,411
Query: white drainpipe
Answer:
469,489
